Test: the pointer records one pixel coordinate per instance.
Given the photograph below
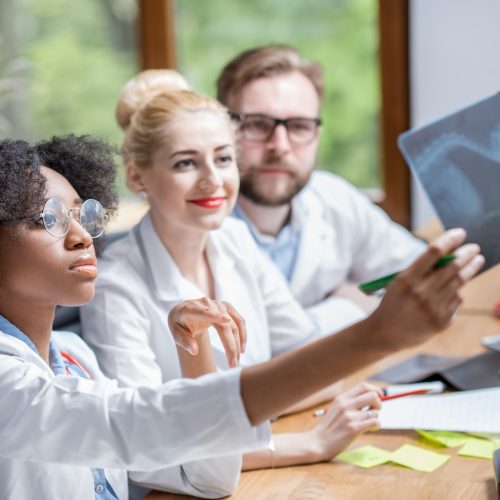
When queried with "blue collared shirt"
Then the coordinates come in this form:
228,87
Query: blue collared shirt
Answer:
103,490
282,249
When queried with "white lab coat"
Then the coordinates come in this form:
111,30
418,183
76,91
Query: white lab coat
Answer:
53,428
126,324
344,237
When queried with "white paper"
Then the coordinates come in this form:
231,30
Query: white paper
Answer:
467,411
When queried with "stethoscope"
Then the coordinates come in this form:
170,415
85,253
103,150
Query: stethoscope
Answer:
70,359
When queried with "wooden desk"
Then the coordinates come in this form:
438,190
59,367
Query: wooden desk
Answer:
461,478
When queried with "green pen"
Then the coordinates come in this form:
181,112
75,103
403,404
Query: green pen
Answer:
371,287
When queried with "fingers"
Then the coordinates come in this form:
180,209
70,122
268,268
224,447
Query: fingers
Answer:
361,389
199,314
452,272
367,420
442,245
191,318
228,336
361,420
240,324
472,268
370,399
233,335
359,397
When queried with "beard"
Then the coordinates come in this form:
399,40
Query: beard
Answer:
262,193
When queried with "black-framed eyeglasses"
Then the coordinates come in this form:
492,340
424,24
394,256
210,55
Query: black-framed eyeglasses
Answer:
56,217
257,127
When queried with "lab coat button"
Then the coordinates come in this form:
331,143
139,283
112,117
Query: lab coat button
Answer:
99,488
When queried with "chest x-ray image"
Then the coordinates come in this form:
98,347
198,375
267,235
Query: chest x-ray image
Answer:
457,161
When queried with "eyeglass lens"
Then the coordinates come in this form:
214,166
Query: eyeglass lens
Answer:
261,128
56,217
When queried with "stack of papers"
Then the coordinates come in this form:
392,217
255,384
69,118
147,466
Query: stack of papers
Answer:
467,411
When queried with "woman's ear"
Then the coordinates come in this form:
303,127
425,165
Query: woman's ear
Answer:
135,181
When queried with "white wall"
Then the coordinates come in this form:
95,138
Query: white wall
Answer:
454,61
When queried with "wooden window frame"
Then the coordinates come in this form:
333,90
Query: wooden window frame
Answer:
395,107
156,34
157,50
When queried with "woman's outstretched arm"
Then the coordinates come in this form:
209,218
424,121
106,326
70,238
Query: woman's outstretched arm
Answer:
417,305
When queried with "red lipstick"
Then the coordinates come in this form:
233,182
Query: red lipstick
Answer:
212,202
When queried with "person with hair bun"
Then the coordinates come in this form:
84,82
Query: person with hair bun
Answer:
144,86
179,153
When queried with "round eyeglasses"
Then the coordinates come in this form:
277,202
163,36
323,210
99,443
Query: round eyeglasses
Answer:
260,128
56,217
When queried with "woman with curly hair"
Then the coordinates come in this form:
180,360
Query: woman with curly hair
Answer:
64,436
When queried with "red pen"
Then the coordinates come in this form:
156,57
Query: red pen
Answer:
416,392
403,394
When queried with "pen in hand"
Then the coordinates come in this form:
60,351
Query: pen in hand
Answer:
385,397
371,287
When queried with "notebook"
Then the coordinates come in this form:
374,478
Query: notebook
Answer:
456,159
469,411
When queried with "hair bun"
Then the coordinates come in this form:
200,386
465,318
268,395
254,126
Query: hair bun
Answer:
142,88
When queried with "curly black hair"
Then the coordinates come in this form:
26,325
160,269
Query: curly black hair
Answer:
86,162
22,186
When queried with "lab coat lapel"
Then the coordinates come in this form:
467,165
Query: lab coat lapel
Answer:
163,275
16,347
222,262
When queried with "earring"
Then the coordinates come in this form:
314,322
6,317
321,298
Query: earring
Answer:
143,195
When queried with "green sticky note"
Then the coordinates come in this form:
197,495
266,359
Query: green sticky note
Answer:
418,458
445,438
478,448
493,437
365,456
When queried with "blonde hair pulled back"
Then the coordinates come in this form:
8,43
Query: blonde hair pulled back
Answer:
148,103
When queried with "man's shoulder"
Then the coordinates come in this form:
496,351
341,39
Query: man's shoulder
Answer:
323,183
331,190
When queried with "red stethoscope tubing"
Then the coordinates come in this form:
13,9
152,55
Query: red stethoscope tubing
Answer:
72,360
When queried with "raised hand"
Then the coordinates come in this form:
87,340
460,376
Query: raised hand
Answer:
191,318
422,299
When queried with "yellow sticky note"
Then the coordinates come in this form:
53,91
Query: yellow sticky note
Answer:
418,458
365,456
445,438
478,448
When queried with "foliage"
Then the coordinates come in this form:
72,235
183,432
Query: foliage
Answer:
77,67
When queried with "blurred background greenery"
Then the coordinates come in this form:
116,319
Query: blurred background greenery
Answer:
63,63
